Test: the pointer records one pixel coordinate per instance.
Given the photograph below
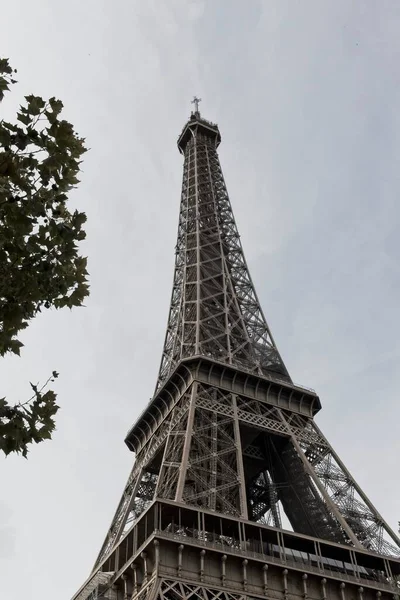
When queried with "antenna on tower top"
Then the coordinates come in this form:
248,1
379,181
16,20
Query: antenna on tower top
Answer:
196,101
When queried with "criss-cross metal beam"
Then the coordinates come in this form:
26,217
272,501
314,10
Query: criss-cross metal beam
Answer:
214,308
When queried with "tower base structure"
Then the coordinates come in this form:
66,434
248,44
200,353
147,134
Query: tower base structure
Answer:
175,552
161,545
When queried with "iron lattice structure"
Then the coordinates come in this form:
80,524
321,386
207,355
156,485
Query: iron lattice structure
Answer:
214,310
228,446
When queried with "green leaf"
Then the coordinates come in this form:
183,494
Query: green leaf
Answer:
35,104
21,142
5,136
10,126
79,219
45,434
25,119
51,116
81,263
61,198
56,106
5,66
15,346
3,84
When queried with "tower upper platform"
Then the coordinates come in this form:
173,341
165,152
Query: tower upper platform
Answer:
196,124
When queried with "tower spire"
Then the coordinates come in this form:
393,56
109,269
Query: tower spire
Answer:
228,445
214,310
196,101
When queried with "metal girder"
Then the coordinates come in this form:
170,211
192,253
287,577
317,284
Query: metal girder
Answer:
181,590
369,526
127,511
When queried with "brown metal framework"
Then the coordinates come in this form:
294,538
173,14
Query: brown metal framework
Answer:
229,440
214,308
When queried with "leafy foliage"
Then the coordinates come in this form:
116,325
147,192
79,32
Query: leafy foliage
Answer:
32,421
39,262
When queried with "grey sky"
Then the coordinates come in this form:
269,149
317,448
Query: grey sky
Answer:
307,96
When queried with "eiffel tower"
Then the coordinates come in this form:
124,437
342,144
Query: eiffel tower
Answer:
227,451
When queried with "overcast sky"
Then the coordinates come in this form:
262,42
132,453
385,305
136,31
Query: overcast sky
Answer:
307,95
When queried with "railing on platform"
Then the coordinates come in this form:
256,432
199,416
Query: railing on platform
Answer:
93,589
295,559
